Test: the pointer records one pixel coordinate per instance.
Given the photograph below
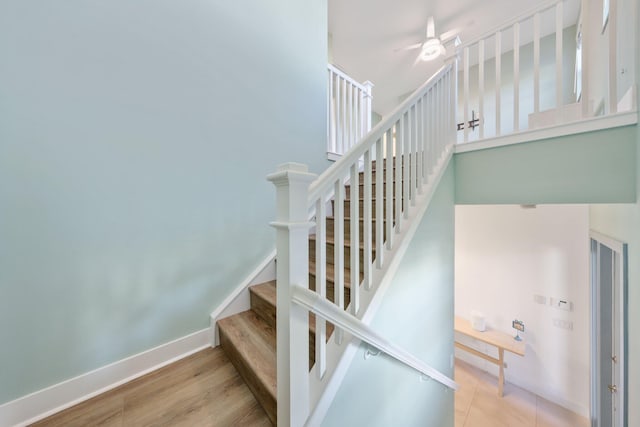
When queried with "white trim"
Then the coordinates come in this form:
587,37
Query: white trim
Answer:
611,242
43,403
334,157
238,300
581,126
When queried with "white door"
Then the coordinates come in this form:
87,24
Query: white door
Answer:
608,287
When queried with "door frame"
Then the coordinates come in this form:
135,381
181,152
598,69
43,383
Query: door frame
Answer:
620,283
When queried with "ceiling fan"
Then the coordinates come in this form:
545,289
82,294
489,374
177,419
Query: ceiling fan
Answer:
433,47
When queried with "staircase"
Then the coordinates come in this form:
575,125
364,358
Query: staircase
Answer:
249,338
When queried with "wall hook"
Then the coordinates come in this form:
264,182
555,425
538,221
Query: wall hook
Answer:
371,351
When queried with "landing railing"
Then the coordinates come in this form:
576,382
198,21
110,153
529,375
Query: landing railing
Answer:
348,111
528,73
398,164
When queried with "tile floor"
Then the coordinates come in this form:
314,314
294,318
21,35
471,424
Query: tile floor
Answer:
477,404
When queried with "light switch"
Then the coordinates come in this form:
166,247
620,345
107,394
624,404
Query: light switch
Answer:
561,304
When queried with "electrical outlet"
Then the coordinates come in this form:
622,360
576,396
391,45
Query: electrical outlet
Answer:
563,324
540,299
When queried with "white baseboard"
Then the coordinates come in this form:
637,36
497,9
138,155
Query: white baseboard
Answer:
43,403
238,300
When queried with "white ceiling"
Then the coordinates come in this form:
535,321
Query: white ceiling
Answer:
366,36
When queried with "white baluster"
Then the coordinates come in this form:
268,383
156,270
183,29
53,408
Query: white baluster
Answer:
536,63
465,59
379,202
354,238
338,125
481,87
612,25
586,34
498,75
425,158
349,125
329,118
559,25
406,156
430,129
414,154
389,187
338,249
516,76
321,285
419,142
367,226
369,99
343,119
398,175
292,233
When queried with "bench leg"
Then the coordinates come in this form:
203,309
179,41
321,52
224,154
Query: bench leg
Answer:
501,377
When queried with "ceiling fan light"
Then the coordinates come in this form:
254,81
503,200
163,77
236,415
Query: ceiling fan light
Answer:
431,49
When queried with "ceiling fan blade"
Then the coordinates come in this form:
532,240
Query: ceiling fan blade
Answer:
448,35
417,61
410,47
431,28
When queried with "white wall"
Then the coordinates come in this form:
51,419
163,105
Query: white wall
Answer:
504,256
597,45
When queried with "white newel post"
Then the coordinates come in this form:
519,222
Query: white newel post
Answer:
292,321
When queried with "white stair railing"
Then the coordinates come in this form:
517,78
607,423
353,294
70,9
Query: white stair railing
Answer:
348,111
487,96
511,83
415,144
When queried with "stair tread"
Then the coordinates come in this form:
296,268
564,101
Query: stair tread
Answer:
254,344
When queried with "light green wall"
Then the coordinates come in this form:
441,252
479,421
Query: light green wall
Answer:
417,314
591,167
135,137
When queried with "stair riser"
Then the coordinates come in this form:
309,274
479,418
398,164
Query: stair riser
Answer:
347,190
374,213
246,372
347,228
267,312
330,254
330,290
264,309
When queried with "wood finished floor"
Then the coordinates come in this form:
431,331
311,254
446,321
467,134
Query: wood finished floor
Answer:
206,390
477,404
201,390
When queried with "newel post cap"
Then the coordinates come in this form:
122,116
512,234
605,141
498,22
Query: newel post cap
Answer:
291,171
